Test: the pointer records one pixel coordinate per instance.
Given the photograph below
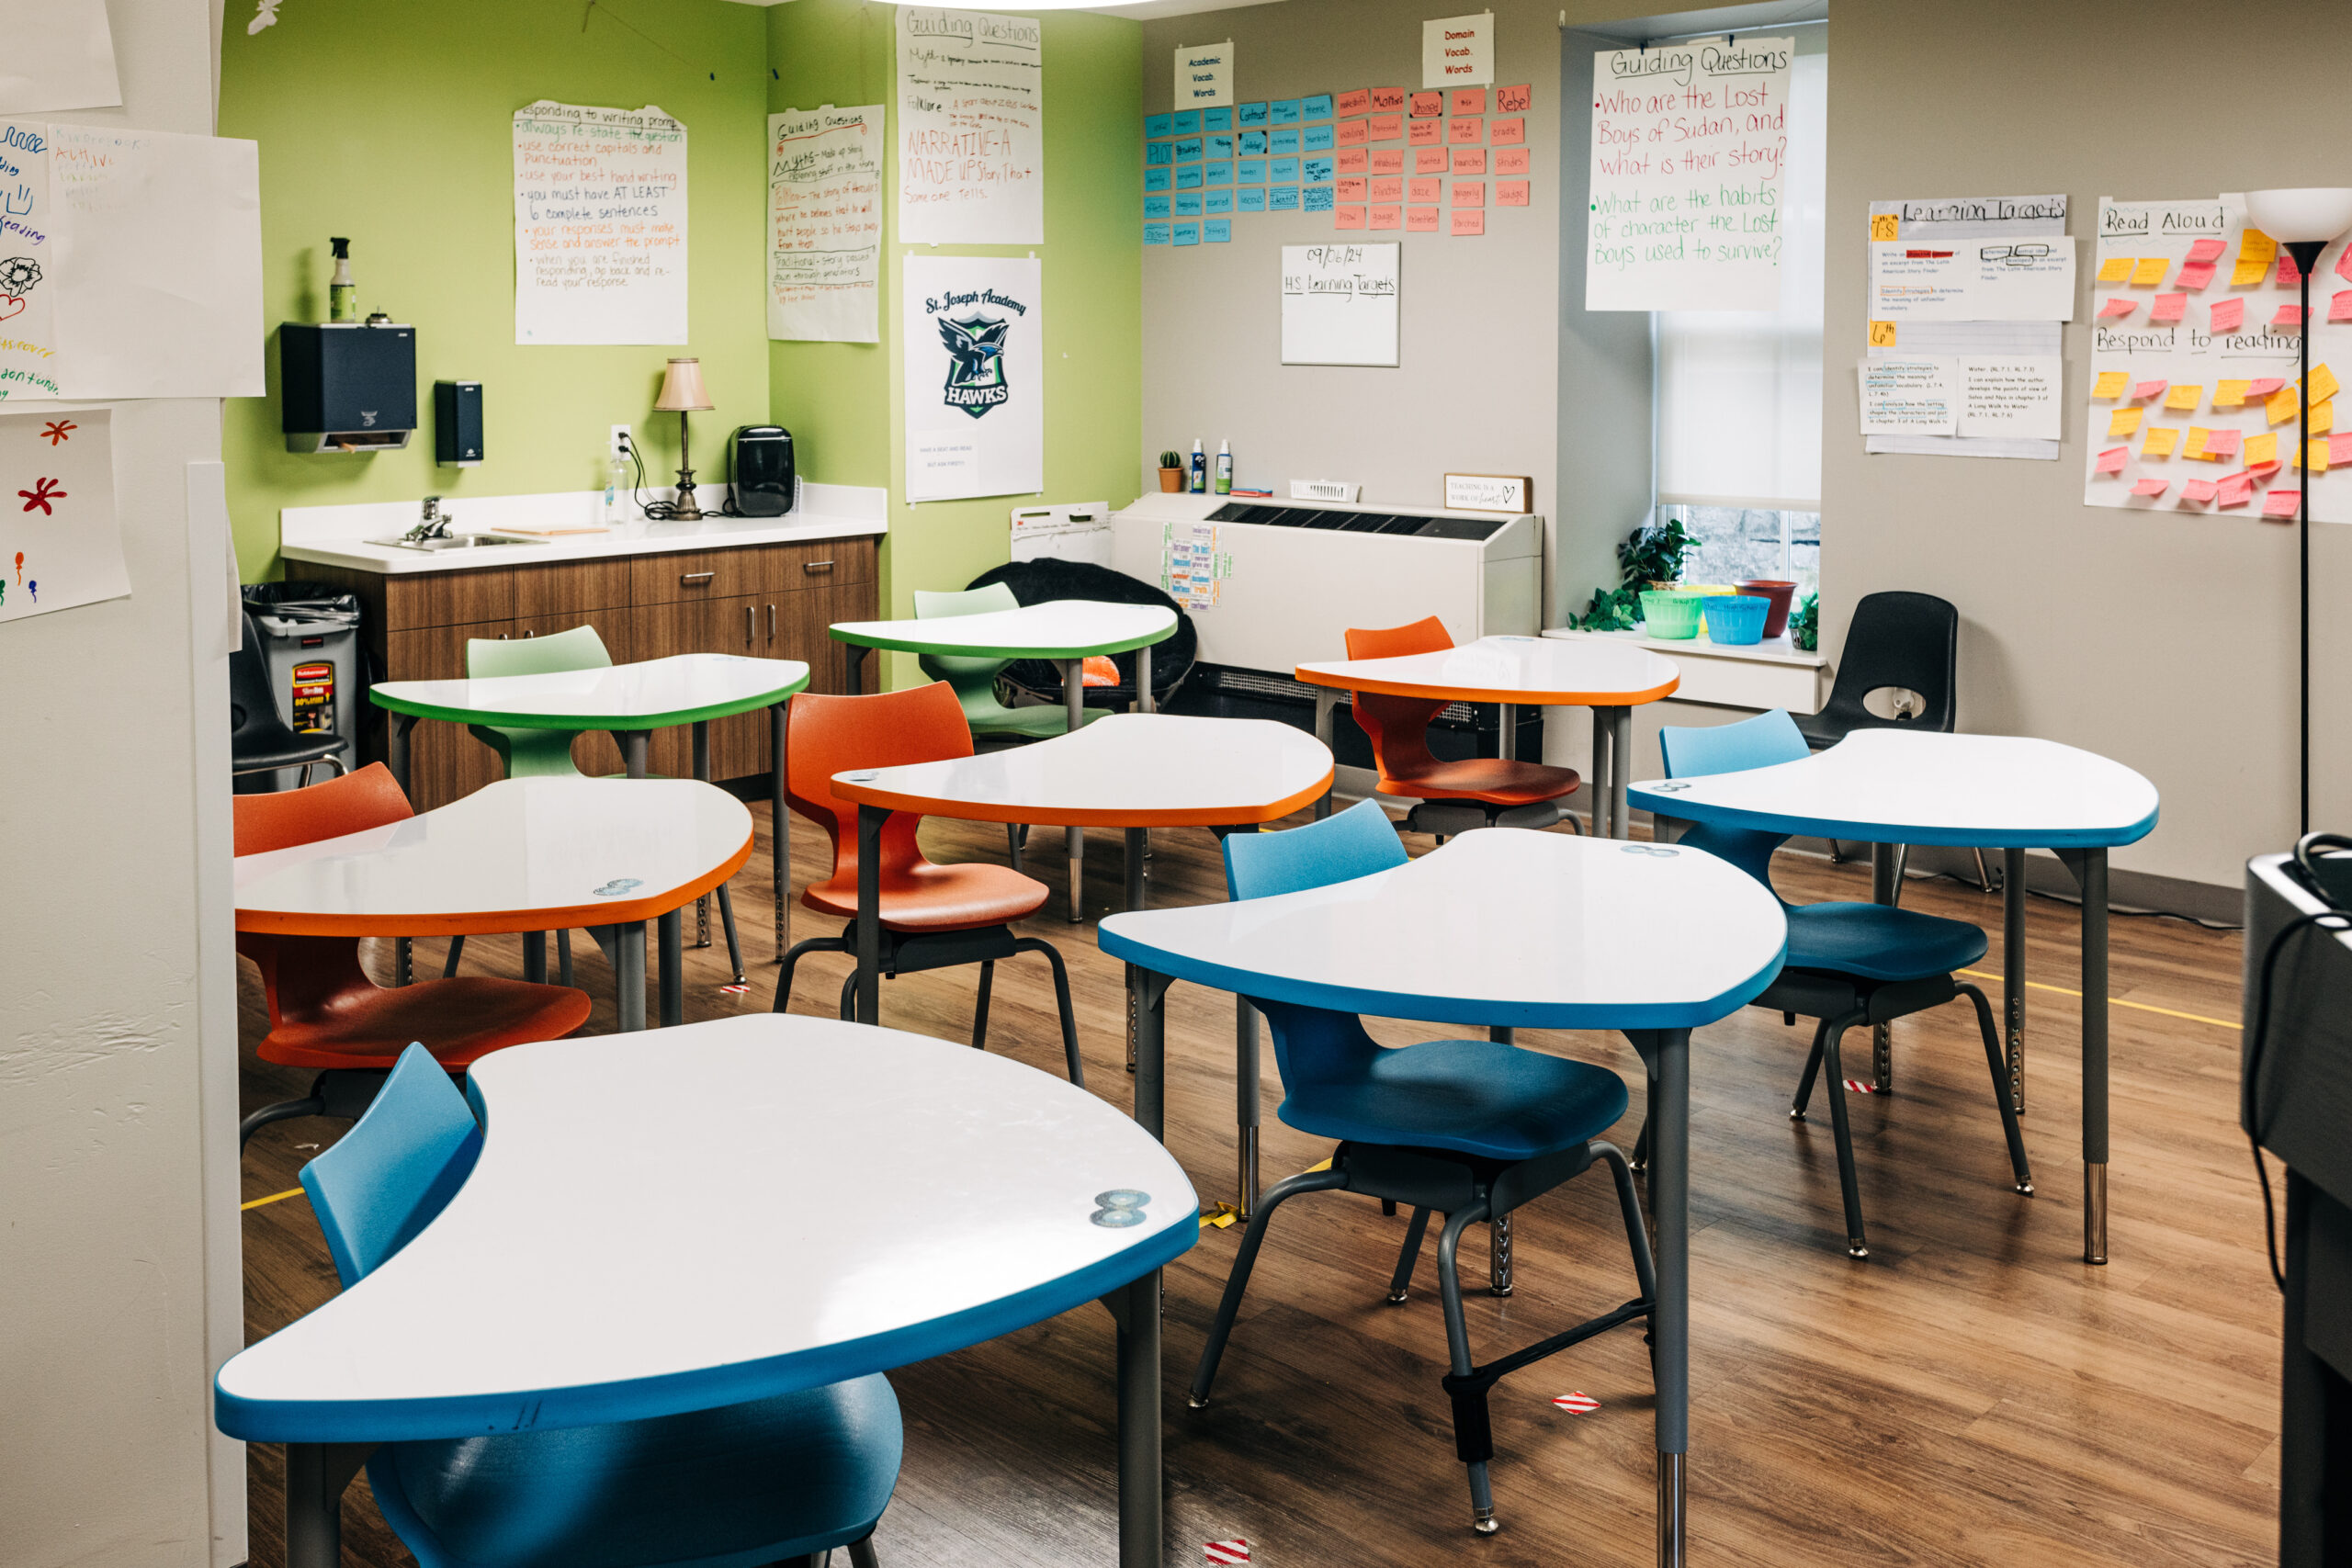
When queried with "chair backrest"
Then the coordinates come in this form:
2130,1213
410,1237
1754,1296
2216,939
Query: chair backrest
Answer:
302,976
1909,641
1398,726
578,649
1356,842
1767,739
400,1164
251,705
832,735
981,601
973,678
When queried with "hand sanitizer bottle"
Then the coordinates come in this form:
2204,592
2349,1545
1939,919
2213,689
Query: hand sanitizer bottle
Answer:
1225,468
616,490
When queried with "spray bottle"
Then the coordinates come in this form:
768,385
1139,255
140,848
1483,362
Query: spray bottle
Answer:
1225,468
1200,469
343,294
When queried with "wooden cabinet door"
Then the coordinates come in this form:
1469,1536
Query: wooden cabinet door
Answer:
445,762
802,619
595,753
737,745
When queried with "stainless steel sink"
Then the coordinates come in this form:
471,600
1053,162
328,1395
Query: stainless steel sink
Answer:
454,542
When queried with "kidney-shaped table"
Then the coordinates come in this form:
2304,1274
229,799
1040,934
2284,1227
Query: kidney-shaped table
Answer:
881,1199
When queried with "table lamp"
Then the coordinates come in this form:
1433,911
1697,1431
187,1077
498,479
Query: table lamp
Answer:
2304,220
682,393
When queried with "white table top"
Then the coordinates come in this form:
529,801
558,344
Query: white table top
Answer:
683,689
1510,669
733,1209
520,854
1896,787
1122,771
1061,628
1503,925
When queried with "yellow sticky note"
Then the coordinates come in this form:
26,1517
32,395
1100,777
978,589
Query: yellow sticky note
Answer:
2323,384
2184,397
2256,246
2229,394
1882,335
2322,418
2123,422
2248,271
2159,442
2115,269
2283,404
2150,271
2112,383
2196,447
1885,226
2262,451
2318,460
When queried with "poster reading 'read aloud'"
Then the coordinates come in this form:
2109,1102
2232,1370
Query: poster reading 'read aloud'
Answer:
974,334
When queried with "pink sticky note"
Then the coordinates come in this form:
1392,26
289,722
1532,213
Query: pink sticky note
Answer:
1513,161
2206,250
2263,387
2340,308
2199,490
2344,264
2222,444
2289,274
2228,315
2115,307
2237,490
2111,461
2152,487
2167,307
1347,218
2281,502
2288,316
1353,160
2339,449
2149,388
1353,190
2195,275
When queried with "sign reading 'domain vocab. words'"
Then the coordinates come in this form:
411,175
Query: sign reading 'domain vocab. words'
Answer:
1458,51
1689,142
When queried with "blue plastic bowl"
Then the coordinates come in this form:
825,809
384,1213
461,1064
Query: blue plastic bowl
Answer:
1733,619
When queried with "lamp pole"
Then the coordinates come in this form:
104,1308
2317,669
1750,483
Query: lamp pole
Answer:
2306,254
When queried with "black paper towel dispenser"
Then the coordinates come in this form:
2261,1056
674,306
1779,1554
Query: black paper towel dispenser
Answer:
346,386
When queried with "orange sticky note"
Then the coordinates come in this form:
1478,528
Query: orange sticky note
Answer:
2281,502
1882,335
2321,453
2111,384
1509,132
1354,132
1464,131
1514,100
2288,316
2195,447
2262,451
1347,218
1387,128
1468,100
1424,132
1513,192
1428,106
1469,161
1469,222
1425,190
1429,161
1391,162
1353,160
1357,101
2229,394
2185,397
1392,189
2152,487
2228,315
2115,269
2283,404
2150,272
2255,245
2244,274
2206,250
1386,100
1470,193
2115,307
2159,442
1423,220
2322,383
2198,491
1887,226
2123,422
1353,189
1514,161
2111,461
1387,216
2322,418
2167,307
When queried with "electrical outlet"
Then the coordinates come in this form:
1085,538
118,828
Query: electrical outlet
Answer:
620,441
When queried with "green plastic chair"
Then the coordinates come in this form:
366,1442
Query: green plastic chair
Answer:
974,680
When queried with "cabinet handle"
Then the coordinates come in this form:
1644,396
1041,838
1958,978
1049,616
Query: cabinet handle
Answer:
688,579
771,623
531,634
813,567
747,626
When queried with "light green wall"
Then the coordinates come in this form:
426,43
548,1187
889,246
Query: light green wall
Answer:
391,125
844,404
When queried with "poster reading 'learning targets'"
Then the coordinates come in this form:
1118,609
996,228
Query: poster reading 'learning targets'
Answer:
59,544
600,225
971,128
974,334
1688,144
825,224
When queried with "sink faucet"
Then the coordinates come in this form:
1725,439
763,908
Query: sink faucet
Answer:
433,525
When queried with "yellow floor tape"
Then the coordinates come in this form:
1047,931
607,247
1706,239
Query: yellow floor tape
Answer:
2115,1001
273,1197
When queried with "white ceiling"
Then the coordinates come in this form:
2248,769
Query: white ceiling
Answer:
1145,11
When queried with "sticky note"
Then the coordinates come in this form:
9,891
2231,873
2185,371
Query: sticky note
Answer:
2283,404
1387,128
1468,100
1219,201
1155,207
2339,449
1391,162
2198,491
1158,125
1217,119
2196,444
2115,307
2262,452
1280,144
2228,315
1428,106
1353,188
2149,271
1882,335
1251,144
1216,147
1389,189
2115,269
2159,442
2181,397
1513,192
1470,160
1469,222
1429,160
2244,273
2237,490
1470,193
1424,132
2220,444
1514,161
1354,161
1281,198
1509,132
1354,132
1347,218
1319,170
1319,137
1317,107
1425,191
1155,234
1249,172
1249,199
1389,217
2344,264
2281,502
2167,307
2206,250
1217,174
2123,422
2229,394
2111,461
2322,383
2255,245
1188,150
1514,100
2319,452
2194,274
1247,115
2110,383
1356,101
1188,234
1887,226
1189,179
1316,198
1160,153
2339,308
2263,386
1218,231
1188,123
1423,220
1464,131
2152,487
1188,203
2288,316
2148,389
1386,100
1157,179
2290,275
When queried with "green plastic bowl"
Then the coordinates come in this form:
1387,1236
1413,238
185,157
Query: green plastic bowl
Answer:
1674,618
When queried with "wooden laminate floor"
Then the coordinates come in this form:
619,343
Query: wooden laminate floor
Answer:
1971,1394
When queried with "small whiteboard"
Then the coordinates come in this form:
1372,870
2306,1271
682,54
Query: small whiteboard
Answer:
1340,304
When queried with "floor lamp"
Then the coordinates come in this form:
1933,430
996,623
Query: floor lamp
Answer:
2304,220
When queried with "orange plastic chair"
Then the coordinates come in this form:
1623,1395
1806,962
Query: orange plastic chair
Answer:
934,916
325,1012
1478,792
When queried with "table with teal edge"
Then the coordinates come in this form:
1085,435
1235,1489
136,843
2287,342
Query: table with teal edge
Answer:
2005,792
1508,928
908,1198
630,700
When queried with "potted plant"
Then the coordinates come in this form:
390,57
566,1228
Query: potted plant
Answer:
1805,625
1172,473
1650,557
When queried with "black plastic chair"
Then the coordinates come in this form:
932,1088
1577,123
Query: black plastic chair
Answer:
260,742
1038,581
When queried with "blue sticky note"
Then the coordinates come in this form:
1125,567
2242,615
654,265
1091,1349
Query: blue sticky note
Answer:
1319,171
1217,119
1318,199
1218,231
1189,179
1188,234
1158,153
1154,234
1158,125
1220,173
1252,142
1188,150
1219,201
1319,138
1250,199
1249,172
1218,147
1282,171
1187,122
1249,114
1155,207
1155,179
1280,142
1188,203
1281,198
1285,112
1317,107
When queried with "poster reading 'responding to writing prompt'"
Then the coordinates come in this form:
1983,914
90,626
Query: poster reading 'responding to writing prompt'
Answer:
600,225
971,128
1689,141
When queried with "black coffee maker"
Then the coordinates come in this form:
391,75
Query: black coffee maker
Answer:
760,470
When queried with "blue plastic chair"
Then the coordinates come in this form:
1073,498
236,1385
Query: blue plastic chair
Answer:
1471,1129
779,1480
1849,965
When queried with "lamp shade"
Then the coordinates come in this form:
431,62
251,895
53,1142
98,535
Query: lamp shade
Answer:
681,389
2305,212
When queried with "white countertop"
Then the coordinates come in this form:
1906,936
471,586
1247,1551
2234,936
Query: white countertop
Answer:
1771,650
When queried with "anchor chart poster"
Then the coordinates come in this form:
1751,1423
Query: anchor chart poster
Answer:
974,340
60,543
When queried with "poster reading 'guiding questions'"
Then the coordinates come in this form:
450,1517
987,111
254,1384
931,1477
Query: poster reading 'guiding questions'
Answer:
825,224
600,225
971,128
1688,144
974,340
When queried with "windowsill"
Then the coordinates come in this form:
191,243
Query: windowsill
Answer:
1773,650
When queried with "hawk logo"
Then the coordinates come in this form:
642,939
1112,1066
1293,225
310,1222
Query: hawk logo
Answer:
974,361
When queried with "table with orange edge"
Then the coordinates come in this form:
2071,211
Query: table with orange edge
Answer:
519,855
1609,679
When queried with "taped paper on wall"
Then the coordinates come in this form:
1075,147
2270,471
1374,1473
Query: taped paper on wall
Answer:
974,340
1910,395
60,543
1063,533
60,55
971,128
825,224
1979,281
600,225
1192,566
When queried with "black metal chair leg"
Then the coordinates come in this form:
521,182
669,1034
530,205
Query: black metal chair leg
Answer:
456,950
563,957
1401,1281
1642,1145
1076,1068
1996,1059
783,980
1469,1410
980,1008
1812,1071
1014,835
284,1111
1254,1238
734,948
861,1554
1389,1208
849,996
1637,1235
1857,1241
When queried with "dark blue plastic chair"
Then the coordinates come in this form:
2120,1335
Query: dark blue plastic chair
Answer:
1849,965
1471,1129
778,1480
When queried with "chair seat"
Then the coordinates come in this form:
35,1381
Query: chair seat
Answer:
459,1021
1494,779
1824,730
1476,1096
938,897
744,1485
1875,942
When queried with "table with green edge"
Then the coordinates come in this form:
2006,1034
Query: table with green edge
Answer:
630,700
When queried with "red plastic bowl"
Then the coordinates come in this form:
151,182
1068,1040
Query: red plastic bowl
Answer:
1776,617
